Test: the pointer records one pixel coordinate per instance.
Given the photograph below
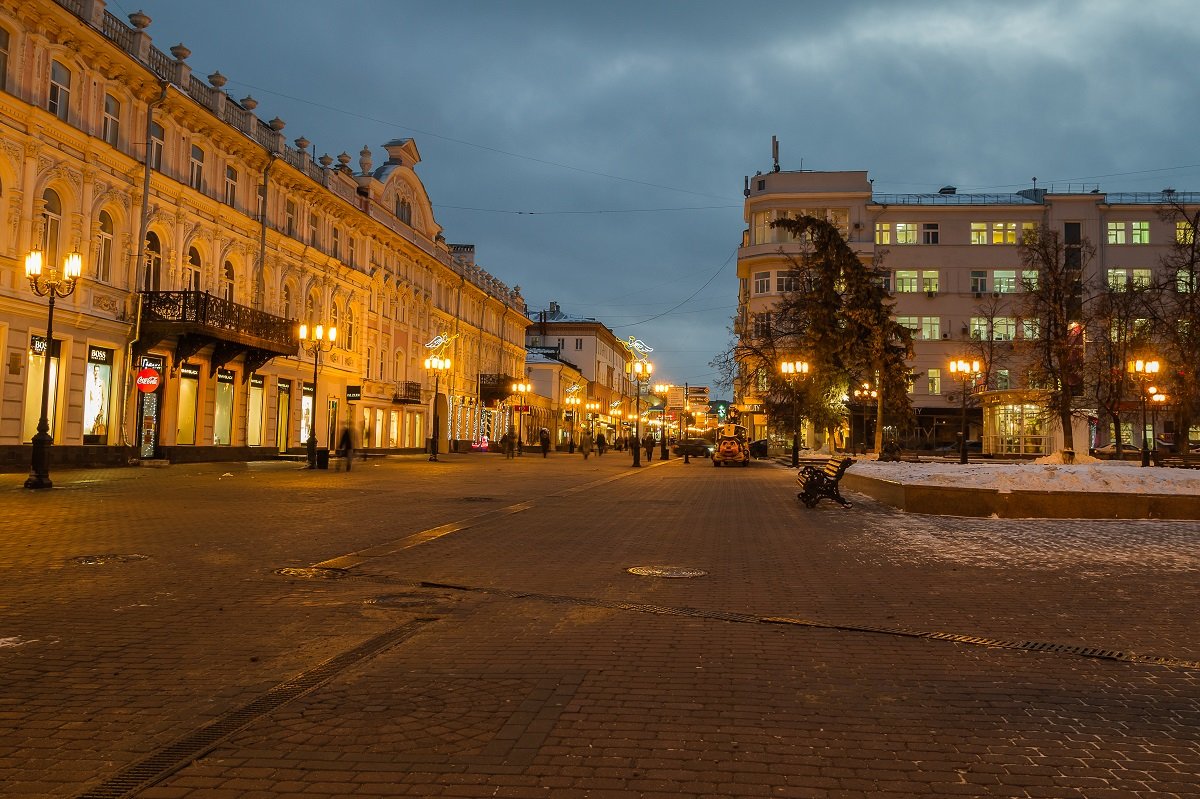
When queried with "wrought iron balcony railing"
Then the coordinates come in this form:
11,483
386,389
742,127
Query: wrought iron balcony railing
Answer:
198,312
407,393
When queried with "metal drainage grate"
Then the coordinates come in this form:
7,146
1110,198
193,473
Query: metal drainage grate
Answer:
666,571
185,750
313,573
101,560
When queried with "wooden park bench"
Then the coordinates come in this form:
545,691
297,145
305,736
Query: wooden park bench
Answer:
821,483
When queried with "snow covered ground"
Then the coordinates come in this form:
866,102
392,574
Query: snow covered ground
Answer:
1045,474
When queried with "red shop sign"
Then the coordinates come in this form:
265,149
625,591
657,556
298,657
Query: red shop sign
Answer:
148,380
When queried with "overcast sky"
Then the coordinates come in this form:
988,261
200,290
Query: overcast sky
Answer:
594,152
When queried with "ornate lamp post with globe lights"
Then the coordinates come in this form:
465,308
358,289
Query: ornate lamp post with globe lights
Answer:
662,390
966,372
48,282
316,340
864,395
573,401
521,389
641,371
1143,371
793,370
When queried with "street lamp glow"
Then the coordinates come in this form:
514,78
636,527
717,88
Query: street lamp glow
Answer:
793,370
1143,370
965,370
316,340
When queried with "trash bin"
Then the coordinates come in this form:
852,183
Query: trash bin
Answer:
323,457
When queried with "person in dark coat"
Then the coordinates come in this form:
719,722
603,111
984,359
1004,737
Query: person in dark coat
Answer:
544,441
601,444
346,446
648,445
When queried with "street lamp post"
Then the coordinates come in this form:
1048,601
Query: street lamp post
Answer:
521,389
437,365
1144,371
52,285
685,418
573,401
793,370
965,371
662,389
316,341
641,369
863,395
1157,398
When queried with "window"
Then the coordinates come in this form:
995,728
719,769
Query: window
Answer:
978,281
1004,281
906,233
931,327
979,233
1029,280
883,232
60,90
1184,233
762,325
1003,380
289,310
929,233
1185,280
978,327
762,282
934,376
227,281
1116,232
999,232
578,344
1004,328
314,228
112,119
289,218
1030,329
152,269
929,281
1140,279
884,279
351,249
158,140
231,185
104,245
906,280
562,344
348,341
51,227
335,242
196,177
787,281
223,408
3,59
1004,233
913,323
192,271
1116,280
1139,232
404,210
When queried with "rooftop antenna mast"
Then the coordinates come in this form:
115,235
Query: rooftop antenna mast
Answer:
775,152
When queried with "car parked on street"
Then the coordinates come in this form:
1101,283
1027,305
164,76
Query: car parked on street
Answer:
694,447
758,449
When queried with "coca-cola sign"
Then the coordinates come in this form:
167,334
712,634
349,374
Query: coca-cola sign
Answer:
148,380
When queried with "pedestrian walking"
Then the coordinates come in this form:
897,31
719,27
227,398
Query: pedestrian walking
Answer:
648,445
585,445
345,446
544,441
506,443
601,443
571,444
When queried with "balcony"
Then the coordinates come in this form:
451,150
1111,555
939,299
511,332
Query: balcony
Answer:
407,393
197,319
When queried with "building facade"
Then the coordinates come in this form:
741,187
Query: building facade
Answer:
206,239
952,264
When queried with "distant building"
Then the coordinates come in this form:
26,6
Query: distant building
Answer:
952,264
206,239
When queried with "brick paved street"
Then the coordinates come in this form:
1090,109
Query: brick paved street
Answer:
472,631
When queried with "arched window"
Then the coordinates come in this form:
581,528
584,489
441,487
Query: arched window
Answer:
51,227
152,269
227,279
192,270
59,97
104,246
398,366
403,210
334,319
287,302
312,309
347,338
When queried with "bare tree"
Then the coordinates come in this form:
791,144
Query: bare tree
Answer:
1054,295
1116,331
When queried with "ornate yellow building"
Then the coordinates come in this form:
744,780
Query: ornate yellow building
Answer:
206,239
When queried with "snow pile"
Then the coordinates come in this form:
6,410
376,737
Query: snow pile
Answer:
1119,477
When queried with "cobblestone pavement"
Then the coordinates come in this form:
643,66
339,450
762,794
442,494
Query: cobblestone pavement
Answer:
470,629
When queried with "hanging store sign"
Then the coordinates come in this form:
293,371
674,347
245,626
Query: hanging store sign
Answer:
353,393
148,380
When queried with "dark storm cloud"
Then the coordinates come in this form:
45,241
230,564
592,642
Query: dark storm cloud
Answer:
665,105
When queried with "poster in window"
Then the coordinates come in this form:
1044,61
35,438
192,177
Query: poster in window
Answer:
97,389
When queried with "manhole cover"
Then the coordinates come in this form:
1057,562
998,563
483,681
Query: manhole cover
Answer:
666,571
312,573
100,560
478,499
